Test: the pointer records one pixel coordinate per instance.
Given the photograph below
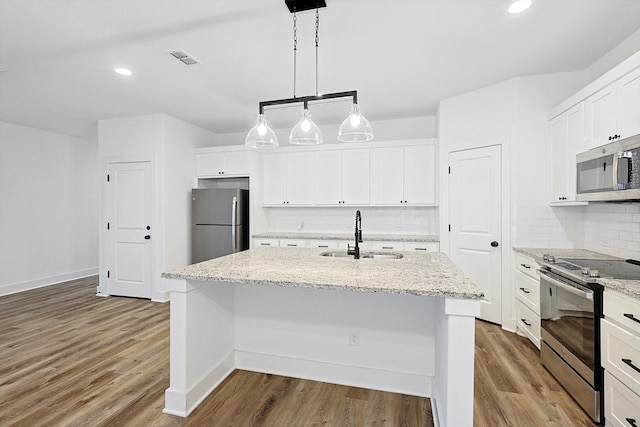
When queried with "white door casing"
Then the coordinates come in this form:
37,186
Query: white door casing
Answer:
130,232
475,220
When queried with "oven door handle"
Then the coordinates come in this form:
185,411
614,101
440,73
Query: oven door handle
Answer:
588,294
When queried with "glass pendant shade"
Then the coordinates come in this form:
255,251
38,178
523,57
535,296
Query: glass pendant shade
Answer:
261,136
305,132
355,128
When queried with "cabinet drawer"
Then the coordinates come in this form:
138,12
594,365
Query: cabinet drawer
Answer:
623,310
323,244
526,265
258,243
293,243
422,247
528,323
385,246
528,291
621,405
621,354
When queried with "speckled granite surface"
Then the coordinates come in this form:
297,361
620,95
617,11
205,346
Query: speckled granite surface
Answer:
627,287
334,236
428,274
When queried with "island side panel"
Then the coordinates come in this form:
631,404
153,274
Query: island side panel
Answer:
455,355
201,342
305,333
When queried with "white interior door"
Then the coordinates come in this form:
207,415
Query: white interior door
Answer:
129,229
475,223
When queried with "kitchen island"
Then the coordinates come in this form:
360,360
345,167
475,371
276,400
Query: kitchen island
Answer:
401,325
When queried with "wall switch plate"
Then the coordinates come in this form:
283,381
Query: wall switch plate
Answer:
354,337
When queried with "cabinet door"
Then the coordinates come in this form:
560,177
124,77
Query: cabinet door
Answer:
327,176
629,104
208,164
355,177
420,175
299,178
601,117
273,179
387,175
558,151
236,163
575,144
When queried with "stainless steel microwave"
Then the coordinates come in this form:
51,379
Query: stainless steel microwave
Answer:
610,172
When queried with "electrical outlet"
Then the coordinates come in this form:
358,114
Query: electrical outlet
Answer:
606,242
354,337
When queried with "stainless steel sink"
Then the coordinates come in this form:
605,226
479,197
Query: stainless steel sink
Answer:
364,254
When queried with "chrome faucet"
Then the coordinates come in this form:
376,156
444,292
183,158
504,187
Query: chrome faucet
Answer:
355,251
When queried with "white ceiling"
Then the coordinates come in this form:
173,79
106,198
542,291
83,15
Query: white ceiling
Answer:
401,56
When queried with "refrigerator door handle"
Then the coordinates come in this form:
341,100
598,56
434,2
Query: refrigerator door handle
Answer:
234,208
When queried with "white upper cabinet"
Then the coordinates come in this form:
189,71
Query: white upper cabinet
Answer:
567,140
222,164
613,112
341,177
287,179
629,104
403,175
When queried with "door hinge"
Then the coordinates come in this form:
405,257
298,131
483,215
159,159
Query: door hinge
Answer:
108,274
107,177
449,227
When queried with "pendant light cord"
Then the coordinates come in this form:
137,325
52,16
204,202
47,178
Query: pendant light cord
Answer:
295,51
317,29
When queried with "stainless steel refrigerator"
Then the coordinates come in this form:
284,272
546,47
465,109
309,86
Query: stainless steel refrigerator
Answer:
219,222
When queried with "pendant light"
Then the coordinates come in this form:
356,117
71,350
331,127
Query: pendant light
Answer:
354,128
261,136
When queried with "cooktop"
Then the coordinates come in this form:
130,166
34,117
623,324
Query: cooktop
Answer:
615,269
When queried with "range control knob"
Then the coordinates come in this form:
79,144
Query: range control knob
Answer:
551,259
586,271
594,273
545,257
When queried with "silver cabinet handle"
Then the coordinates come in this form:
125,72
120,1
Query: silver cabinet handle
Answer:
234,208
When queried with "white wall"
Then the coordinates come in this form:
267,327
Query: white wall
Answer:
513,114
168,143
49,201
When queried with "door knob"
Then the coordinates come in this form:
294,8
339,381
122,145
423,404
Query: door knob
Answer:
147,237
494,244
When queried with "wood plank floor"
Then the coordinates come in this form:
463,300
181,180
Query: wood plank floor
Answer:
69,358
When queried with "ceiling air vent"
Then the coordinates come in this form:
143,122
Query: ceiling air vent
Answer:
184,57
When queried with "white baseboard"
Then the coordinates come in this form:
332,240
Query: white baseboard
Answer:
375,379
46,281
181,403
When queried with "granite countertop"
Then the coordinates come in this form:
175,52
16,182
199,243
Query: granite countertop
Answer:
417,273
627,287
340,236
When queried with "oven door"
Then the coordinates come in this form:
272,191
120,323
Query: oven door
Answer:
570,323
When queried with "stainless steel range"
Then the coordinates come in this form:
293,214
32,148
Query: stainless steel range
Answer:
570,312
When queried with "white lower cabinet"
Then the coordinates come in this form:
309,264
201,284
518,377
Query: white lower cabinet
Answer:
621,405
527,284
324,244
620,356
422,246
528,323
293,243
258,243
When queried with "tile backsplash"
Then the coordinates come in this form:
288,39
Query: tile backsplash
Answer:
608,228
375,220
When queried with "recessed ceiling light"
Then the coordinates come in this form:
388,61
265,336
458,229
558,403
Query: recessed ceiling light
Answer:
519,6
123,71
